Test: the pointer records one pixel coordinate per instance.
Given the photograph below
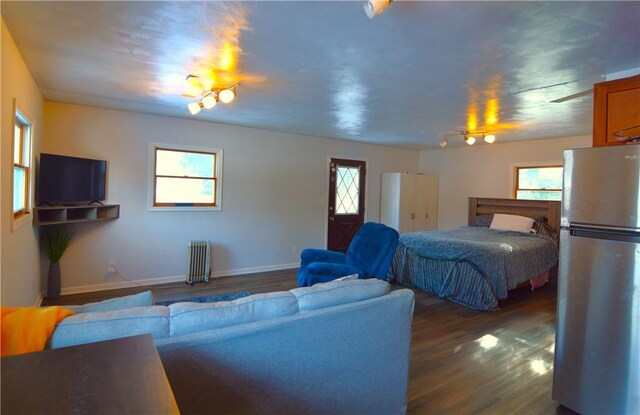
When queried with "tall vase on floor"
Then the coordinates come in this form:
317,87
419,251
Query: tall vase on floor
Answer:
54,281
55,239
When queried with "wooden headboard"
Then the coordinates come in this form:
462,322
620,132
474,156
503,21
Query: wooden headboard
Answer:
550,209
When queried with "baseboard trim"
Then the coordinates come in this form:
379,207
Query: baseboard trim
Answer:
79,289
164,280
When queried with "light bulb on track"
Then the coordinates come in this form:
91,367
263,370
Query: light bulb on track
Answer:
209,101
226,95
194,107
489,138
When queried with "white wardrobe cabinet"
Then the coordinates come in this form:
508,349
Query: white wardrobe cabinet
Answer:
409,201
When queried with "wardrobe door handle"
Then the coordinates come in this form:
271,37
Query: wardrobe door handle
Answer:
426,216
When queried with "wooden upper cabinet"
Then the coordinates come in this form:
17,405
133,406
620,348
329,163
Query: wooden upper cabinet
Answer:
616,107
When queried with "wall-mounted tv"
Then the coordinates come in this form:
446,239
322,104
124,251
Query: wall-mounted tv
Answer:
67,180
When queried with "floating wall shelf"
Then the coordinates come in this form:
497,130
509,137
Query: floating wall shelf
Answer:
53,215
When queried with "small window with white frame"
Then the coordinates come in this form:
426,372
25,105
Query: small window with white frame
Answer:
539,182
21,166
186,178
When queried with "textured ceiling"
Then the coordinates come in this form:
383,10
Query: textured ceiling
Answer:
416,72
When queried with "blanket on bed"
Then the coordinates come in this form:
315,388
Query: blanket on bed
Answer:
504,258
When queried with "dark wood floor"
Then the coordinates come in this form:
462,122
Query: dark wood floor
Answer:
256,283
462,361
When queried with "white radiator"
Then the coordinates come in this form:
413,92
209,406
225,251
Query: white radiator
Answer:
198,262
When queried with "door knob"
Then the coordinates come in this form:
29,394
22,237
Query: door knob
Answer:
331,218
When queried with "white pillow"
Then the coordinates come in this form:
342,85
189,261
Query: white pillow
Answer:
511,223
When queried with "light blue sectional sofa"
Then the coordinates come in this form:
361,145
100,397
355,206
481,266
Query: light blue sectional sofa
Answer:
336,348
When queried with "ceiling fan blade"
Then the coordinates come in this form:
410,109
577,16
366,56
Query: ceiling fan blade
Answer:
573,96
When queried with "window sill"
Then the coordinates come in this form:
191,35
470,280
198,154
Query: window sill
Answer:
20,221
183,208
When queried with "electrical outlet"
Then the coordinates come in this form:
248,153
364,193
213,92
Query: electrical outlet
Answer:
294,249
112,266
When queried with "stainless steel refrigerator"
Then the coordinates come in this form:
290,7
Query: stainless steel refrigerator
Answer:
597,362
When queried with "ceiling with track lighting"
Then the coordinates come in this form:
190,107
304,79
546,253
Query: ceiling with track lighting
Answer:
414,73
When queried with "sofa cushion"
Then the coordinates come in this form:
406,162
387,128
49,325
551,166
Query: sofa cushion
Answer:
338,292
98,326
194,317
137,300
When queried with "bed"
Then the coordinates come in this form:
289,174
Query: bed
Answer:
477,266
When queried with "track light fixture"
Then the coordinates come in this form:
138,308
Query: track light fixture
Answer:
227,95
489,138
209,101
210,98
468,138
375,7
195,107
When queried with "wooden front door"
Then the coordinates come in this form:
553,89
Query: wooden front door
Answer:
346,202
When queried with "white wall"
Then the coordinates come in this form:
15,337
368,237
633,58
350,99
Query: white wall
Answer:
19,251
486,171
274,194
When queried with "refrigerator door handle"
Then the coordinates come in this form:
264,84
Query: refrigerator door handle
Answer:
607,236
603,227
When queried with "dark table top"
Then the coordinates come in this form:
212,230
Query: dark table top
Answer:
122,376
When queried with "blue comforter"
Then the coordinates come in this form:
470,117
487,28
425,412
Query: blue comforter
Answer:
503,259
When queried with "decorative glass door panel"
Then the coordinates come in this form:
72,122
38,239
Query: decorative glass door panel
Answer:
346,202
347,190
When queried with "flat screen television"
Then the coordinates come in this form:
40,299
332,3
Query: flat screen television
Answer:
69,180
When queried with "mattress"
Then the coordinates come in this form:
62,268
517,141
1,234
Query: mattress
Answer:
471,266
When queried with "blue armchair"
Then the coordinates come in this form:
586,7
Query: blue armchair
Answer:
369,255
